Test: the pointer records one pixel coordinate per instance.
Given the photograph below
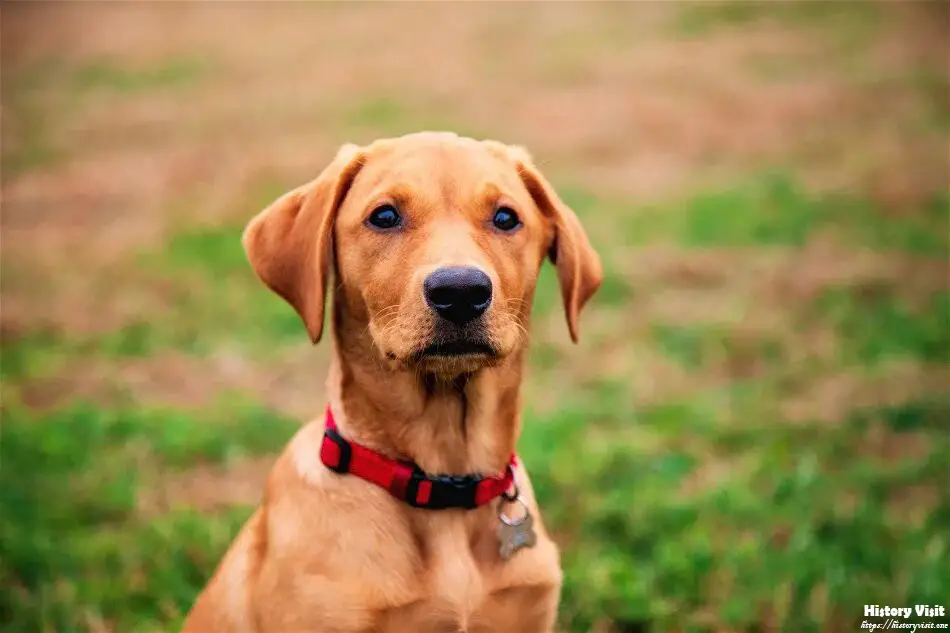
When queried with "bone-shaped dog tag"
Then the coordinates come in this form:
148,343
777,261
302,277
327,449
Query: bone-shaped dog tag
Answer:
515,534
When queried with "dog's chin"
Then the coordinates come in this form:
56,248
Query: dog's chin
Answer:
455,358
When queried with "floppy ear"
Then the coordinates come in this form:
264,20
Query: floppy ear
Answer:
579,270
288,243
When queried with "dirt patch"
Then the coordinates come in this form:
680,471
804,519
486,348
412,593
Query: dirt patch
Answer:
748,315
291,383
833,396
614,349
639,110
209,488
770,293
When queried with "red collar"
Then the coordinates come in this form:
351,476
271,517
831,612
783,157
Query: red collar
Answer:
405,480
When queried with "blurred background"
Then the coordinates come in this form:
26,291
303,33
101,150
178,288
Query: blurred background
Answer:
752,435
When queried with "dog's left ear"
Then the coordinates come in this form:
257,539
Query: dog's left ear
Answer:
579,270
288,243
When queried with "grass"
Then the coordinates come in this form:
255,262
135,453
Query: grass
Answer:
701,506
112,76
773,208
848,20
880,326
375,115
682,515
804,521
26,120
76,549
47,85
221,287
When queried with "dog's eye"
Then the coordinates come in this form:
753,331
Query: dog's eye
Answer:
506,220
385,217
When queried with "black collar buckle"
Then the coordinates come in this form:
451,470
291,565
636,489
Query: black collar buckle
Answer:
439,492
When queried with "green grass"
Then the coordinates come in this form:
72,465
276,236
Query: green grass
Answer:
219,292
797,513
36,96
34,151
801,512
688,495
25,111
213,294
876,326
697,513
766,209
109,75
685,345
775,209
32,354
850,20
705,511
384,115
74,547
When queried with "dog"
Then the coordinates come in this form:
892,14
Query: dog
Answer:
404,509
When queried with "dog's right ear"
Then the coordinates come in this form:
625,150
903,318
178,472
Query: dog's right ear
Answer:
289,243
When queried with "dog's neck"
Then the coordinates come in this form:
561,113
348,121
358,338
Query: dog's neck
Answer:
465,426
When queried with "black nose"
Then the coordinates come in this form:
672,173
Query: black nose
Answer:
458,294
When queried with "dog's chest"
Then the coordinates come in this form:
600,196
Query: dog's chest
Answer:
443,585
460,591
446,583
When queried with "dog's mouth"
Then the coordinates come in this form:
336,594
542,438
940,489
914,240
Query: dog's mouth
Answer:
458,348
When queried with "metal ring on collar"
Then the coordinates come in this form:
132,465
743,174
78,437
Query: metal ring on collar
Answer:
509,521
511,497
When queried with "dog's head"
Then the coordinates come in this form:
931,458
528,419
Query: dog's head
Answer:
436,242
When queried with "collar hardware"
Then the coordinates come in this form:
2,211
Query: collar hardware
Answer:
338,454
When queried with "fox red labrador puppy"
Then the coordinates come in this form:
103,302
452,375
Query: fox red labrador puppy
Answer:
405,509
